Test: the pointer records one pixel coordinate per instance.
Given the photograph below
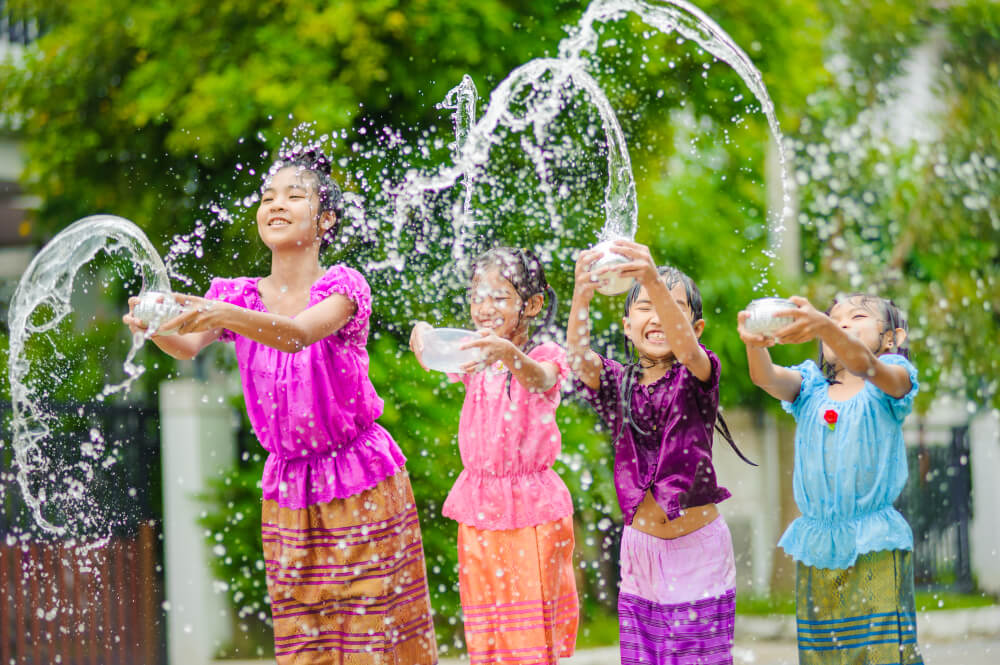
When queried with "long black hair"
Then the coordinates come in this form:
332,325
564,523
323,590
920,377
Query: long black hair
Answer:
522,268
889,317
313,160
633,366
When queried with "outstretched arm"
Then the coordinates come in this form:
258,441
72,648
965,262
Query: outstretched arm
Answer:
778,382
583,362
535,376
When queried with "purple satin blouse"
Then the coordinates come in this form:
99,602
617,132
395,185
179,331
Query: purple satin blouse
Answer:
674,459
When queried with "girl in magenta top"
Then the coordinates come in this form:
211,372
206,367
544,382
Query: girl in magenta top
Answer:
514,514
342,546
677,597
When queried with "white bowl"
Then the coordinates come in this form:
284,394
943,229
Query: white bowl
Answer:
156,308
762,320
441,352
612,283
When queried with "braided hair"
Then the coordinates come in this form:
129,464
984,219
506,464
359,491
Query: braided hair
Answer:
522,268
889,316
633,365
314,161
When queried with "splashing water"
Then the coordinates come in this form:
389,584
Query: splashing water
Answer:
46,288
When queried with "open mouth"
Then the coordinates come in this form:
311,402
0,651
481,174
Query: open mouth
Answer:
656,337
278,221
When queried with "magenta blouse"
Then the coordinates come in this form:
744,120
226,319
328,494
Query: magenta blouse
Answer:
314,410
674,457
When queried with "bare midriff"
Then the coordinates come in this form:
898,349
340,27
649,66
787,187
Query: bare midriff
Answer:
650,518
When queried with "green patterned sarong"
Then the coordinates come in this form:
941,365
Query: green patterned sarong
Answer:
864,615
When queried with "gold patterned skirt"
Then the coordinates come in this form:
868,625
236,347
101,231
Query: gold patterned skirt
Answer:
862,615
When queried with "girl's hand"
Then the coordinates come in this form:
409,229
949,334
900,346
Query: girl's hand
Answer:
752,340
417,341
586,282
809,323
491,346
641,267
134,324
200,315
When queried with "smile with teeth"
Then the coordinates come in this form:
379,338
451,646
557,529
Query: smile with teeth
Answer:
656,336
279,221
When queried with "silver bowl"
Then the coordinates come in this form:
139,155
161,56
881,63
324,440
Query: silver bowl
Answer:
762,319
156,308
611,283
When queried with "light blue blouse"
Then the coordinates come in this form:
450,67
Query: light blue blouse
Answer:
846,480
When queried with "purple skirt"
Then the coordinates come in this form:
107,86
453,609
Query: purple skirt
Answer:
677,604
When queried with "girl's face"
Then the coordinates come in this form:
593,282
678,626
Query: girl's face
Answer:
289,209
642,324
495,303
859,320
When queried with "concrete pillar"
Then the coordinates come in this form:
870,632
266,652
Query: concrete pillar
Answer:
198,443
984,531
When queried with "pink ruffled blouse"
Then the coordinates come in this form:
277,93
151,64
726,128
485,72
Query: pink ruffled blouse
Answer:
508,446
314,410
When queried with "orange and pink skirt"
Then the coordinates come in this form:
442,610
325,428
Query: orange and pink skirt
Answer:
518,593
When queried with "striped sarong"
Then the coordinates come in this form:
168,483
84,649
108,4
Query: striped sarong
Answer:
677,602
864,615
347,580
518,593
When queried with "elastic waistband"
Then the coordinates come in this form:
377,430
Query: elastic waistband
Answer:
848,519
710,531
484,473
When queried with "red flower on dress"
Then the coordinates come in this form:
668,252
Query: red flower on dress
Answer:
831,418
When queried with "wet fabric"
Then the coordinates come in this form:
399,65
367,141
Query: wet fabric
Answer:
314,410
677,602
846,478
508,445
348,580
518,593
673,461
864,615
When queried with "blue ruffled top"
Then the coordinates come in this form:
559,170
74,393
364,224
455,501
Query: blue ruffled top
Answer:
846,479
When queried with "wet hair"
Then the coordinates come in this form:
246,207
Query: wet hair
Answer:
522,268
331,199
889,316
633,368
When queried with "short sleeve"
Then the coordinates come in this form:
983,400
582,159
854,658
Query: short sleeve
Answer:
353,286
812,380
551,352
899,406
709,389
228,291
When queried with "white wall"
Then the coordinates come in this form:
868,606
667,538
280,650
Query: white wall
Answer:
984,532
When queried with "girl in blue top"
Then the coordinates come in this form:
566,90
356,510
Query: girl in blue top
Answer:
854,573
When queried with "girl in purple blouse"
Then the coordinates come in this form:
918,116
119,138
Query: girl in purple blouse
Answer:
677,598
342,548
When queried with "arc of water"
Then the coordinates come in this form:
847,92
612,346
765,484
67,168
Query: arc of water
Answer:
48,281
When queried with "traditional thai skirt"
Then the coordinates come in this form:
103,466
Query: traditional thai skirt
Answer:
864,615
518,593
677,601
347,580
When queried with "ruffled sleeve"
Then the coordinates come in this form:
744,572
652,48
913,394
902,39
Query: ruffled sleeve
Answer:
352,285
232,291
606,399
708,389
812,379
899,406
550,352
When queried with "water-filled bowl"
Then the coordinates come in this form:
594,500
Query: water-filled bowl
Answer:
762,319
611,282
441,352
156,308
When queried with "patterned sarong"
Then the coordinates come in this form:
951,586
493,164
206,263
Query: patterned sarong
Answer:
518,593
677,603
347,580
864,615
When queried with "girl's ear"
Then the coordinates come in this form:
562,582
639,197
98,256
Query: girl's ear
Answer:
326,221
534,305
894,339
699,327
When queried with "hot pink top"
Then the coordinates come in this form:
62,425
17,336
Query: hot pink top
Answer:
314,411
508,446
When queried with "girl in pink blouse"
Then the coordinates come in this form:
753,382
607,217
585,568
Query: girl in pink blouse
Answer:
343,552
514,514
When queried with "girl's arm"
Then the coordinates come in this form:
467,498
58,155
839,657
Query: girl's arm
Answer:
778,382
205,319
583,362
676,323
851,352
182,347
417,342
536,376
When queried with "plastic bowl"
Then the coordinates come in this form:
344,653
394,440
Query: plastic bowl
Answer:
156,308
762,320
612,283
441,352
